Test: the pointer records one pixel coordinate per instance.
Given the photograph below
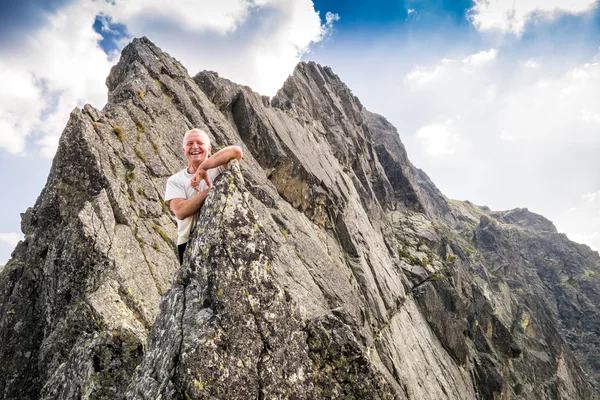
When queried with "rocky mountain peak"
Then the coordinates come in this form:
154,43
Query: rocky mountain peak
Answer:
318,92
528,220
324,265
142,53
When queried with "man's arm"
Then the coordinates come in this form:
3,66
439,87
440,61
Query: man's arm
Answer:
222,157
183,208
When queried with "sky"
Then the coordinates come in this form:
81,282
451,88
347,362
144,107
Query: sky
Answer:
496,100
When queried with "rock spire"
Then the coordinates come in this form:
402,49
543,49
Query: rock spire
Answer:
325,265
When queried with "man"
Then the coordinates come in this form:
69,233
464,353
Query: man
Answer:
187,189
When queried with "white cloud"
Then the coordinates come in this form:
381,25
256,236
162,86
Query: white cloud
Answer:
257,43
491,92
581,221
221,17
528,136
10,238
591,197
558,107
592,239
330,18
275,55
422,75
440,139
410,11
588,116
555,109
542,83
582,73
504,135
481,58
327,28
532,63
60,67
20,106
510,16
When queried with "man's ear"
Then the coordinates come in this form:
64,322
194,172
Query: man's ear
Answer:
209,149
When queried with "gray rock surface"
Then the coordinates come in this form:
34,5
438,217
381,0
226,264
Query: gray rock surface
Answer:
325,265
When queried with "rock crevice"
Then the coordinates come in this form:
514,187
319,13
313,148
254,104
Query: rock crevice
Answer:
324,265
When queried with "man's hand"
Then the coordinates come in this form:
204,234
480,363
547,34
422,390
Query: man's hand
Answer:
199,176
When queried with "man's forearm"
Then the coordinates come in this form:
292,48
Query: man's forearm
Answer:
186,208
222,156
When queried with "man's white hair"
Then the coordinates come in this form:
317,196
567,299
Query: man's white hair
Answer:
195,130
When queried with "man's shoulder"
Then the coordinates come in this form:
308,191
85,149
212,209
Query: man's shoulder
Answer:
178,180
177,176
176,186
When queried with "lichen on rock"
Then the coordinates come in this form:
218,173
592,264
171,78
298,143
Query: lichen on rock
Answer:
325,265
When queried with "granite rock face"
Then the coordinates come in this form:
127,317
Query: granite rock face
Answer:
325,265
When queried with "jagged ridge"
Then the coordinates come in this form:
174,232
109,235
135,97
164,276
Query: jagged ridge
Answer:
332,268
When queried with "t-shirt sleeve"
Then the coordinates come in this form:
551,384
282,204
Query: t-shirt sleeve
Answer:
174,190
214,172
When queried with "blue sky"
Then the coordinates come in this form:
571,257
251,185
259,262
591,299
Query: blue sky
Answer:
496,100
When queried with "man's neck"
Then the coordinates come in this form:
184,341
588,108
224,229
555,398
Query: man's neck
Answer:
192,168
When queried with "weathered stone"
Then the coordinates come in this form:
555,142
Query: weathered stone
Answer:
325,265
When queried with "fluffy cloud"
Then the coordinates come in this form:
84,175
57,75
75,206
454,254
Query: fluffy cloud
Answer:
10,238
20,107
591,239
221,17
524,134
582,222
591,197
531,63
481,58
258,43
510,16
555,109
441,139
330,18
529,105
61,65
421,75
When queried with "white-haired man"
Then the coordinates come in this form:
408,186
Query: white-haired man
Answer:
187,189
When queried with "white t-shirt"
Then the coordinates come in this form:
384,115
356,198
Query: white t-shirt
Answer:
179,187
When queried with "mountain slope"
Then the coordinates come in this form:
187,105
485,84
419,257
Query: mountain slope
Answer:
325,265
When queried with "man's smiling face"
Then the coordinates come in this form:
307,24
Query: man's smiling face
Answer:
196,148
